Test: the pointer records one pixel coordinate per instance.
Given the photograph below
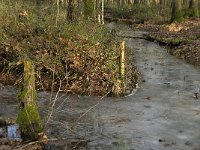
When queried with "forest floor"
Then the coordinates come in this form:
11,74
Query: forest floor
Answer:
77,63
182,39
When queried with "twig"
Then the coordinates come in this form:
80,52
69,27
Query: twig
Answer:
31,143
89,110
52,106
52,139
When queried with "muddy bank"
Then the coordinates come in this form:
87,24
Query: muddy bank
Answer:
182,39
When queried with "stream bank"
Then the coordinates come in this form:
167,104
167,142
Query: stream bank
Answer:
181,39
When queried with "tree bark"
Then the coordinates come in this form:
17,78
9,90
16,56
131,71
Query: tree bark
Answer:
176,11
28,117
102,12
71,10
193,7
89,8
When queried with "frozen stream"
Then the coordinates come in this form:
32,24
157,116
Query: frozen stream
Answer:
163,114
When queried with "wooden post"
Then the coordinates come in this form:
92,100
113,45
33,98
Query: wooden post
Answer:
119,85
99,18
122,61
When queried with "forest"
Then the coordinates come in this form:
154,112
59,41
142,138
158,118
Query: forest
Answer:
99,74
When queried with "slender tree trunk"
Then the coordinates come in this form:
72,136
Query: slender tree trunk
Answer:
102,12
95,10
176,11
38,2
194,8
58,12
71,10
89,8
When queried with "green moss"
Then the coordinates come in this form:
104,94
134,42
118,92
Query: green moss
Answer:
28,117
29,121
199,11
24,93
192,13
187,13
175,41
195,13
178,17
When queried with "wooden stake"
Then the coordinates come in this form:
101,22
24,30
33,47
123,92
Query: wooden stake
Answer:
99,18
102,12
122,60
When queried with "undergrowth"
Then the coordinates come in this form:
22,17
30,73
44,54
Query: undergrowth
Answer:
142,12
80,57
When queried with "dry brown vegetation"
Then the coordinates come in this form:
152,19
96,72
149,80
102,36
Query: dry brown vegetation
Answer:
78,58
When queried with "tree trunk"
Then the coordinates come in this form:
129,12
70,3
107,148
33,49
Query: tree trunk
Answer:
176,11
38,2
194,8
71,10
102,12
28,117
89,8
58,12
